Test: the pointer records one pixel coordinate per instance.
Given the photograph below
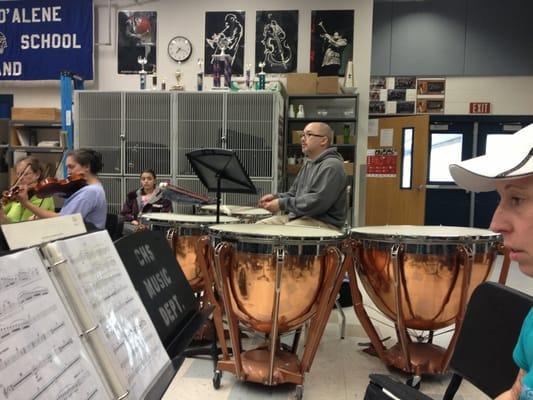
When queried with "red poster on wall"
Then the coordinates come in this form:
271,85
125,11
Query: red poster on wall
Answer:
381,163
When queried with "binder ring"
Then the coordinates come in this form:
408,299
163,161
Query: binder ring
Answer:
123,396
59,262
85,333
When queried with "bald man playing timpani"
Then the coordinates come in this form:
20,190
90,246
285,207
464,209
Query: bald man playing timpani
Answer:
318,195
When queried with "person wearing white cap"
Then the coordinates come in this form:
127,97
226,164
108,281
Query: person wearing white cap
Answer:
508,169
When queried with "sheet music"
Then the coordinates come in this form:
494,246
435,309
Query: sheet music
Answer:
41,355
117,308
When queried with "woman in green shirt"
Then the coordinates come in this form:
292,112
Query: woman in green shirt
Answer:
29,172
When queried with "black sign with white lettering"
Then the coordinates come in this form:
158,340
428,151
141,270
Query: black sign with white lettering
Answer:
159,280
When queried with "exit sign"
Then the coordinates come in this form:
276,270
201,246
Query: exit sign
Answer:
479,108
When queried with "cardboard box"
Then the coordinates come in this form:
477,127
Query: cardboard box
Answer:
339,139
293,169
301,83
296,137
348,168
327,84
35,114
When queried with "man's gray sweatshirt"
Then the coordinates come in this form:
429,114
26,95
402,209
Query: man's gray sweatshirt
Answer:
319,190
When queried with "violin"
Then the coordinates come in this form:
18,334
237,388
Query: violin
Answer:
10,194
62,187
47,187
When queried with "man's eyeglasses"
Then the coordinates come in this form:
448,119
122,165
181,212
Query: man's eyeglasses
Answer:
308,134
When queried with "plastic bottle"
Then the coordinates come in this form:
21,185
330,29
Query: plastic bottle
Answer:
142,79
301,111
154,80
200,76
248,75
346,133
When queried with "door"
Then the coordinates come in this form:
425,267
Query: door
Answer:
490,134
456,138
399,198
6,103
446,203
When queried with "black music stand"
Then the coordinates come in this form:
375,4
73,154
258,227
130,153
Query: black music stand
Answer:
220,171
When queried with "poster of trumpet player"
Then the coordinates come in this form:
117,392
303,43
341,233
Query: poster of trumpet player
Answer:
224,36
276,41
137,33
331,41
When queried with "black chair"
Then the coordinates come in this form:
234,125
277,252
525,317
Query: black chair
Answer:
113,225
483,353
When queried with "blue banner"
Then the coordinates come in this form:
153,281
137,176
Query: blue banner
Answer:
41,38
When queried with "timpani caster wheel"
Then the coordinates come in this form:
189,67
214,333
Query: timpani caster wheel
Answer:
216,379
414,381
299,394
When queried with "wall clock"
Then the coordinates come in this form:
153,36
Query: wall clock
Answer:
179,48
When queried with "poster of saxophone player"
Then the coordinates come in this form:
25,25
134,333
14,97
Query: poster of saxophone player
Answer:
331,41
276,41
137,33
224,35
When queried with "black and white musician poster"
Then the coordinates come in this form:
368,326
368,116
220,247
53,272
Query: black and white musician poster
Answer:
224,35
331,41
137,33
276,41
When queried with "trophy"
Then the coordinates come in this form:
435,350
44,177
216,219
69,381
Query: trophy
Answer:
227,70
142,73
262,76
200,76
178,75
224,60
216,73
248,76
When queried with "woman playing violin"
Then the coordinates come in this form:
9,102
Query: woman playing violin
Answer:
29,173
89,201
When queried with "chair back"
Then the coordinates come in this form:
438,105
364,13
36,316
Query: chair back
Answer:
492,323
113,225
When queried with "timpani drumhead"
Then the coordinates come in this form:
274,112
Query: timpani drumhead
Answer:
252,213
274,231
172,219
432,264
227,209
448,233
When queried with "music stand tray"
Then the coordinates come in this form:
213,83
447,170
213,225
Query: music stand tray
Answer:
220,171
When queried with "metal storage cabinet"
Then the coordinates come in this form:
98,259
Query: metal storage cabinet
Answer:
138,130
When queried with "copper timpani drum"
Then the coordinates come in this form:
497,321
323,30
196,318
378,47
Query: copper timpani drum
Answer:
244,213
183,231
273,279
420,277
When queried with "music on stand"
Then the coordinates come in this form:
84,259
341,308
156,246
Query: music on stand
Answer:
220,171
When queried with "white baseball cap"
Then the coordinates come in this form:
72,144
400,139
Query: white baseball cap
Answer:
512,159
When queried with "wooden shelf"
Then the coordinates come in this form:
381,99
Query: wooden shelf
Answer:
341,146
36,124
38,149
323,119
293,169
25,136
